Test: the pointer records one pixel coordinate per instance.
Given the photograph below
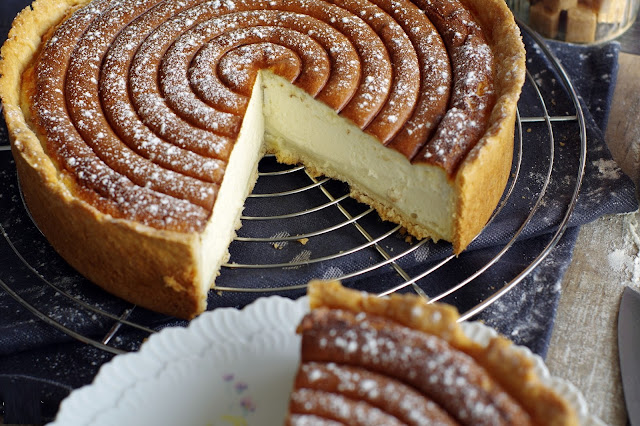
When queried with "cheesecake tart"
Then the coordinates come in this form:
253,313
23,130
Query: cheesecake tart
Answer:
137,125
367,360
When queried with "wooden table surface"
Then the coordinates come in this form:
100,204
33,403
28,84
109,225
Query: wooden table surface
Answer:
583,346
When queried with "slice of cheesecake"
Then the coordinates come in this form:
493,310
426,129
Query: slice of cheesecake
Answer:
403,360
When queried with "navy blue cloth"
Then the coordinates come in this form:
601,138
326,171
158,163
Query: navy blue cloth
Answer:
40,363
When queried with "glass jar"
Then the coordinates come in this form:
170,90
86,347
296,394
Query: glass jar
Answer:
577,21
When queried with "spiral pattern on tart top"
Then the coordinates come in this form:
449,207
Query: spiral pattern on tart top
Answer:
354,365
140,102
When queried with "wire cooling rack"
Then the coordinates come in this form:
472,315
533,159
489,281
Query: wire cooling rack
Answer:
291,216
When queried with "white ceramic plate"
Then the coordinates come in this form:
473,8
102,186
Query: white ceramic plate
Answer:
229,367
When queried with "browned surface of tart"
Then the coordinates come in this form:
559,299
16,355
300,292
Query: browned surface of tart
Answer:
362,355
123,116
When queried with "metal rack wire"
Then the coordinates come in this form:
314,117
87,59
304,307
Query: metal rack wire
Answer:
379,248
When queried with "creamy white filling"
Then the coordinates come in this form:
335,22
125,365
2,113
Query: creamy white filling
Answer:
239,178
298,128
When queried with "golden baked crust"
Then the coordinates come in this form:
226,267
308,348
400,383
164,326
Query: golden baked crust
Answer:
159,268
482,177
507,366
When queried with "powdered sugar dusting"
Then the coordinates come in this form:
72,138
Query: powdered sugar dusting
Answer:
449,377
377,390
157,89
